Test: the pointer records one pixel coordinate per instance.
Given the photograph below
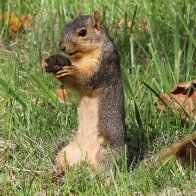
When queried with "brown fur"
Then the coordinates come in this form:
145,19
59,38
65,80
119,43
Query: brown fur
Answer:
95,75
184,151
85,144
84,66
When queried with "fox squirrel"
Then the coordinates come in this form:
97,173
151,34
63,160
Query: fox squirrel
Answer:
93,71
96,77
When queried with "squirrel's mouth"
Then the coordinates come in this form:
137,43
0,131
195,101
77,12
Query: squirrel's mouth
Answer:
72,53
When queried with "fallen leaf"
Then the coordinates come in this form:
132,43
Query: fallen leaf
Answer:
130,23
181,100
16,23
56,175
26,20
122,22
63,95
140,25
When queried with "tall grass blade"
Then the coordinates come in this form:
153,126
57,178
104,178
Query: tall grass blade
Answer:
160,68
20,99
42,87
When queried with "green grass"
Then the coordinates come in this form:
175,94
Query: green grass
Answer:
154,58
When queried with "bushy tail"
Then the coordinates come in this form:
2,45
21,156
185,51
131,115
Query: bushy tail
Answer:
184,150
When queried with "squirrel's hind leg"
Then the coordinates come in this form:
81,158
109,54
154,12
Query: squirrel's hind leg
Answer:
104,163
72,153
102,157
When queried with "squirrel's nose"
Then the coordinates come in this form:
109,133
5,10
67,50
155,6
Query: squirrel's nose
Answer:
62,47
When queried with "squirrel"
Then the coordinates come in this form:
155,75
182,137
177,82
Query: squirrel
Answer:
96,77
93,71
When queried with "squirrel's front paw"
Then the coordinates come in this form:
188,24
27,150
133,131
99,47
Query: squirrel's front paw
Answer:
66,71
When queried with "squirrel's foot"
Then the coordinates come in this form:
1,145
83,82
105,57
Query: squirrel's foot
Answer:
69,155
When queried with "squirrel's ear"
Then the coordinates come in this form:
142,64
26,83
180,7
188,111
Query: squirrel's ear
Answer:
96,20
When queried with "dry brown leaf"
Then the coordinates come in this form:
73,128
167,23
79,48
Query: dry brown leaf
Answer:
17,23
26,20
130,23
56,175
64,94
122,22
141,25
181,97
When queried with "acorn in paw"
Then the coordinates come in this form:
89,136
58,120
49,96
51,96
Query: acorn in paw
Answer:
55,63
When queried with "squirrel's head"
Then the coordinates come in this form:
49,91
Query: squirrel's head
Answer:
83,35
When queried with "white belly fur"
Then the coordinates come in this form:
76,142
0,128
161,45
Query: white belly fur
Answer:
87,136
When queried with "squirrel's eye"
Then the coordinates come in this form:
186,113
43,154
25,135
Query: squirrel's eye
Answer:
82,33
